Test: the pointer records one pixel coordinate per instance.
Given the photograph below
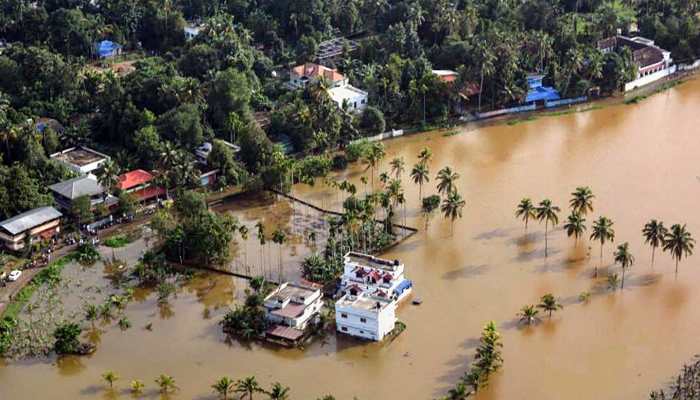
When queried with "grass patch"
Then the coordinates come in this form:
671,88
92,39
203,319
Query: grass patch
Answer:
451,132
117,241
572,111
521,120
638,98
50,274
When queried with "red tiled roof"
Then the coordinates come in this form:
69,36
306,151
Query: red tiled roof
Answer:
149,192
134,178
312,71
285,332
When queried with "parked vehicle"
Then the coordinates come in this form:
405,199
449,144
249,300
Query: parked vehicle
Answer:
14,275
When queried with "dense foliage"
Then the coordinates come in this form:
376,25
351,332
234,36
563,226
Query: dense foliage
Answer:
169,95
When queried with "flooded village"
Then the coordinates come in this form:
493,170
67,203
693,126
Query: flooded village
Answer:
639,168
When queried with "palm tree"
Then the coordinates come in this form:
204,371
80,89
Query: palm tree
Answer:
679,242
575,225
528,314
452,208
110,377
602,232
624,258
136,387
420,176
548,304
446,180
224,386
166,383
373,157
243,230
459,392
109,176
613,281
247,387
398,166
547,212
261,238
654,233
581,200
526,210
425,155
278,392
279,237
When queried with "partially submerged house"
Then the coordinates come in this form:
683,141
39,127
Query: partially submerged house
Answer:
81,159
290,309
39,223
652,62
365,316
375,276
538,93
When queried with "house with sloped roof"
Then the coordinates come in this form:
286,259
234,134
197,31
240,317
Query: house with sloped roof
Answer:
302,75
66,192
39,223
140,184
652,62
290,308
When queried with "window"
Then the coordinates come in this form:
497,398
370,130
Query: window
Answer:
344,329
343,315
363,320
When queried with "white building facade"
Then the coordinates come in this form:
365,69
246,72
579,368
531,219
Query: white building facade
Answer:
293,305
376,276
349,97
365,316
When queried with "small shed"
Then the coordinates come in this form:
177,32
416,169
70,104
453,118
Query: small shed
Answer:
108,49
537,92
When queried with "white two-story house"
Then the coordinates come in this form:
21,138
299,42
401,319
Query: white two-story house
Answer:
365,316
340,91
290,308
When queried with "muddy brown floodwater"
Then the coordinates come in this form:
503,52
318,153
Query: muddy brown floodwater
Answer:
641,162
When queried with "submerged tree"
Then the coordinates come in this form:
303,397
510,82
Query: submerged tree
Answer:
582,200
446,180
110,377
420,176
452,208
526,211
528,314
549,304
223,387
575,226
679,242
625,259
547,212
654,233
602,232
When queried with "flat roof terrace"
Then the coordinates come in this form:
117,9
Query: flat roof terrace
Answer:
79,156
363,302
372,261
292,291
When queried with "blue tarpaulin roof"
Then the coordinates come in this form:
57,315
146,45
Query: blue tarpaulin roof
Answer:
405,284
538,92
107,48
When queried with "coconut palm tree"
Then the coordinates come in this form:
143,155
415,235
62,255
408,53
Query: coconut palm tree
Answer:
166,383
602,232
279,238
384,178
243,230
526,211
446,180
223,387
261,238
420,176
247,387
549,304
547,212
278,392
425,155
654,233
528,314
575,225
624,258
452,208
582,200
679,242
613,281
110,377
108,177
136,387
398,166
373,157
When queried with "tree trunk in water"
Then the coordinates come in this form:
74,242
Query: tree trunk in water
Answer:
622,286
653,250
546,226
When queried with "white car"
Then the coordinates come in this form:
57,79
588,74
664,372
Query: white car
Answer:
14,275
